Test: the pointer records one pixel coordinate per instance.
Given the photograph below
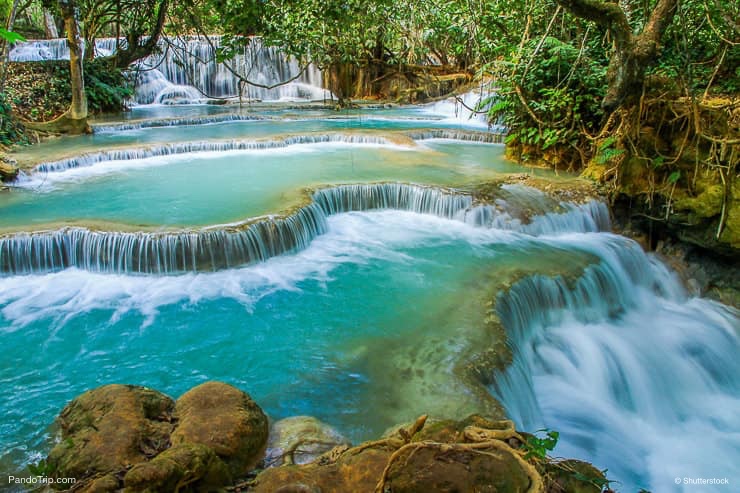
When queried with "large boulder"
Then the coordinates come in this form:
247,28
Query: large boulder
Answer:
224,419
439,470
300,440
108,429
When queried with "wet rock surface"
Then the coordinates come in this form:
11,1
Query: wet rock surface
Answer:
224,419
124,437
133,439
300,440
110,428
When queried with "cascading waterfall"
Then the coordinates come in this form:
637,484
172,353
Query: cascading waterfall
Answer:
128,154
93,158
636,377
464,136
468,108
190,61
37,50
186,71
175,122
213,249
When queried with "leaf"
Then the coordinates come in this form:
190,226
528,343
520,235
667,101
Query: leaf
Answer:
10,36
673,177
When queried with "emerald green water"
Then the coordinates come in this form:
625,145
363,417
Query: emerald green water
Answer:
311,333
213,188
369,326
307,333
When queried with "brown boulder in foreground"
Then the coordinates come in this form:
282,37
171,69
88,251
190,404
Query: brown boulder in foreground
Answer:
109,429
224,419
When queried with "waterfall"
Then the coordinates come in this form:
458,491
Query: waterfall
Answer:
224,247
469,108
185,71
175,122
190,61
126,154
634,375
93,158
590,217
38,50
483,137
424,200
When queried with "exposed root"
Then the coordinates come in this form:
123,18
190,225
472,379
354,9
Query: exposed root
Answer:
483,441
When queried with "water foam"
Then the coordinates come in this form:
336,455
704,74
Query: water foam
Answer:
637,377
212,249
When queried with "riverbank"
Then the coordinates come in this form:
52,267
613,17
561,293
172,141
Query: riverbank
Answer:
216,437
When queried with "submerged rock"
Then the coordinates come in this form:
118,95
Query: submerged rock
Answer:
110,428
300,440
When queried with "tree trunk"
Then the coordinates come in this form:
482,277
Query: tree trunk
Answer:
50,26
74,121
78,108
5,46
633,53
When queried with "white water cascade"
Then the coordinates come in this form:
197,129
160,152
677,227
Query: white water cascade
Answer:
637,377
258,239
186,71
469,108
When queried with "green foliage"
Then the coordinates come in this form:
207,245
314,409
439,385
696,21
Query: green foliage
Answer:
10,36
550,95
602,482
607,152
42,468
106,87
10,130
538,447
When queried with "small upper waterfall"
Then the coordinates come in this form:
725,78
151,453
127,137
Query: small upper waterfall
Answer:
190,62
185,70
468,108
634,375
255,240
37,50
93,158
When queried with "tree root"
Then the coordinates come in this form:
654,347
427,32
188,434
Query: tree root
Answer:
64,124
484,441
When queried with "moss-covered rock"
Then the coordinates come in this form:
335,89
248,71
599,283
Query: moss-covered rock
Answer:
183,464
109,429
352,472
224,419
705,205
447,471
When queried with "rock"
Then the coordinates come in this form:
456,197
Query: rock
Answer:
352,472
224,419
106,484
429,469
180,465
8,172
300,440
108,429
435,459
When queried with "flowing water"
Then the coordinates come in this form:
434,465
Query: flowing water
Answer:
338,265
